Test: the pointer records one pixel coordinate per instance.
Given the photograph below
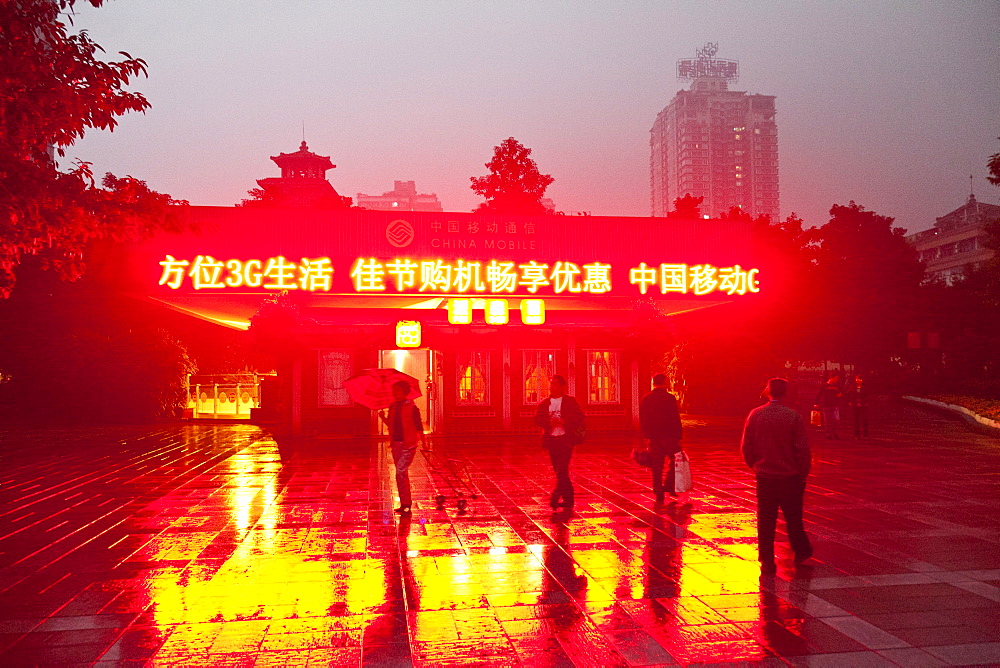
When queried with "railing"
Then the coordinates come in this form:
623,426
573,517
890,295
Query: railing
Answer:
223,396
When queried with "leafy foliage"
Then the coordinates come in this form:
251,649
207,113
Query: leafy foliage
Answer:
994,169
259,197
514,184
866,281
650,333
967,314
77,352
274,330
986,407
686,207
53,90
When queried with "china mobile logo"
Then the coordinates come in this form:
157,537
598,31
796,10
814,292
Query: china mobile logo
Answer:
399,233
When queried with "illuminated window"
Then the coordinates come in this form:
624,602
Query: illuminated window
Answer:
460,311
335,366
496,312
539,366
603,376
473,378
533,311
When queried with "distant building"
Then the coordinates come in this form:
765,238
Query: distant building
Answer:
302,182
403,197
550,206
957,241
715,143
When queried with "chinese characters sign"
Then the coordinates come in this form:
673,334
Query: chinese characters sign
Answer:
699,279
408,334
406,275
493,277
276,273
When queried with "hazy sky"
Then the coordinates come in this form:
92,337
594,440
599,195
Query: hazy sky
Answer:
891,104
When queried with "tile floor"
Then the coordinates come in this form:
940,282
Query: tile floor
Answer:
217,546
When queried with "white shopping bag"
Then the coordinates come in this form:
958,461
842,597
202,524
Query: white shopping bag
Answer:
682,473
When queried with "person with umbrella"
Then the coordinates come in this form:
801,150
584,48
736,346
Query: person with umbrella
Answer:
406,431
378,389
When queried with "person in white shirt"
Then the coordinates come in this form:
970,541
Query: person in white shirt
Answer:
563,424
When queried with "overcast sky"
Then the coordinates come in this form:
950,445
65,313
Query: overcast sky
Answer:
891,104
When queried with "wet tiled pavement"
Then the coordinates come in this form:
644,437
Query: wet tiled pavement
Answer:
217,546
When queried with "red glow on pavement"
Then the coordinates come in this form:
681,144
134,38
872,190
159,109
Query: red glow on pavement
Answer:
229,547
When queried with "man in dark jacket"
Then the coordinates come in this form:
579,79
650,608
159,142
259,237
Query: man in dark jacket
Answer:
661,424
775,447
562,421
405,432
857,399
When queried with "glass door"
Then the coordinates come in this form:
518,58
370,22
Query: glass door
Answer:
421,365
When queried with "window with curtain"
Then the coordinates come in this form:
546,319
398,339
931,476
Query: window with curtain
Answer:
603,377
335,366
473,378
539,366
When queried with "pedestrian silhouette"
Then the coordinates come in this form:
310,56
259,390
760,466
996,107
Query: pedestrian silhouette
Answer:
563,426
775,447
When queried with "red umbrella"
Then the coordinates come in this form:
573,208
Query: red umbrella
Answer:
373,387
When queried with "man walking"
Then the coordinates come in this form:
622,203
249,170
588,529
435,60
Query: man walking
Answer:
857,399
562,421
661,424
775,447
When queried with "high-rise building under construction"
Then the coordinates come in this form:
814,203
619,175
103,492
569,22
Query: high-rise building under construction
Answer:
715,143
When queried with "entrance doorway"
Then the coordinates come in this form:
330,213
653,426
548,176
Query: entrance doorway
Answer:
424,366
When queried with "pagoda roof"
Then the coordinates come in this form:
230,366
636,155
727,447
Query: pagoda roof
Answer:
302,157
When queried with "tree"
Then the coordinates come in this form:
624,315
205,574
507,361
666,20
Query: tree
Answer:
866,282
54,89
514,185
81,353
728,352
329,201
258,197
994,167
968,316
686,207
274,330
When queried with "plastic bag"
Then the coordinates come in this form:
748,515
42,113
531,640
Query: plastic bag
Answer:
682,473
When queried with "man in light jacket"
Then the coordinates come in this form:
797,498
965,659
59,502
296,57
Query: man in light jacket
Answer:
775,447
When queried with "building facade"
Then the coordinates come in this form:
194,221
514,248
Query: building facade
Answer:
956,243
481,309
402,197
715,143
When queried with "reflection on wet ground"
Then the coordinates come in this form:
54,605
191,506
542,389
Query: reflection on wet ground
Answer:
216,545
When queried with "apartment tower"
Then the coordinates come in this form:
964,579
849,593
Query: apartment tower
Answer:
715,143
